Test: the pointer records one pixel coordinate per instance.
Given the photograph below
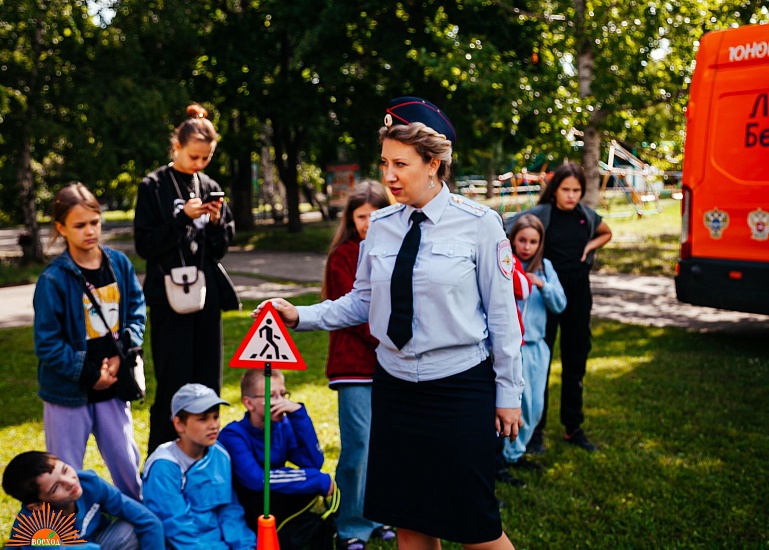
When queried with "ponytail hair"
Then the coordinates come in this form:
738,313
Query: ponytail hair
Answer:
197,127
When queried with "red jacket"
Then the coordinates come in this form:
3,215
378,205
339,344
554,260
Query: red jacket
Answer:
351,355
521,287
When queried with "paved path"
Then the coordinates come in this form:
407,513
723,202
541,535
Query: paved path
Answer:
627,298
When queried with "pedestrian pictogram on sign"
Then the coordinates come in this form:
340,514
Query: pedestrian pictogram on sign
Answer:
268,341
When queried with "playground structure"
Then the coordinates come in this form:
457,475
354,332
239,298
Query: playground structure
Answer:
523,190
626,187
632,180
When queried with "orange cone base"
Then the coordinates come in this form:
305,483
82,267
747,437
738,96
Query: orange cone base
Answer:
267,534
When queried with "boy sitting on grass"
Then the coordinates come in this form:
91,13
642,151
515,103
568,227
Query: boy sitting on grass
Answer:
188,482
293,439
36,478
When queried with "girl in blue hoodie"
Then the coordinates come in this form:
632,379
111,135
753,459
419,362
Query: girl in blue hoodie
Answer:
77,356
528,239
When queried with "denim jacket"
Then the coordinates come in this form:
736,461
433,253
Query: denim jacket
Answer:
60,331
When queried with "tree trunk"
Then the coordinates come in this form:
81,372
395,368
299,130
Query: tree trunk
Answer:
591,153
31,249
290,177
270,191
286,145
30,242
243,192
591,150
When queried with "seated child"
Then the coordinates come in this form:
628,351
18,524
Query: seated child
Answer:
293,439
188,482
36,478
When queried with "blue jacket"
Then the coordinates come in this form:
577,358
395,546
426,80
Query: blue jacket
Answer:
198,507
291,440
60,337
100,500
551,298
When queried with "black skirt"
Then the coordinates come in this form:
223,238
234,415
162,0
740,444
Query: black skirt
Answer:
431,455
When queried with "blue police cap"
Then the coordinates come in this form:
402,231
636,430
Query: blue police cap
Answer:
405,110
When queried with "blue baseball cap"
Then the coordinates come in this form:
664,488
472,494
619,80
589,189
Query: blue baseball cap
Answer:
408,109
195,399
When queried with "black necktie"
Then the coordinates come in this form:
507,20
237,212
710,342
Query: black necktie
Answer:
401,284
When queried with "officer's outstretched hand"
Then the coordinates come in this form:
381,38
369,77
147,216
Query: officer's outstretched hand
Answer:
288,313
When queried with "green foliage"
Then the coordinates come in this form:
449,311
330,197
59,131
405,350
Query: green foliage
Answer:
99,98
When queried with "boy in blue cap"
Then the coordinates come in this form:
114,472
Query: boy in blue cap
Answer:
188,482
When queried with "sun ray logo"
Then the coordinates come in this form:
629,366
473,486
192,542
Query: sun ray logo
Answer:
45,528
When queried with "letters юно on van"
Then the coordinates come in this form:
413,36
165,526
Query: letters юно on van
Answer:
757,50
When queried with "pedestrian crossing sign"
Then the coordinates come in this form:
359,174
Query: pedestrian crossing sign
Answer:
268,341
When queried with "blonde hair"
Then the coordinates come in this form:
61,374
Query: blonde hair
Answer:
250,380
428,143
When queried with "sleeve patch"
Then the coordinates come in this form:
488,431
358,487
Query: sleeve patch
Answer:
505,259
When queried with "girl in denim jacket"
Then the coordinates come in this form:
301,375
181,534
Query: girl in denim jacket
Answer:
77,357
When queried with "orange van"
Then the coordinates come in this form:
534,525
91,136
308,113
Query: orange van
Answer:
724,256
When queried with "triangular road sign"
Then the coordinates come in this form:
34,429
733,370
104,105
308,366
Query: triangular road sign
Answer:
268,341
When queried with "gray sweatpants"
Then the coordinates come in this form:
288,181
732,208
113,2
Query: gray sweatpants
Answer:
66,436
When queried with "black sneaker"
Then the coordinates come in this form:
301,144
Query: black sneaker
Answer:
524,464
579,439
504,476
536,444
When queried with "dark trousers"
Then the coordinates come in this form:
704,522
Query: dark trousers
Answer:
576,337
185,348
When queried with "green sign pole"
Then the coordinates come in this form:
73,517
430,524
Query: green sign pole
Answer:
267,438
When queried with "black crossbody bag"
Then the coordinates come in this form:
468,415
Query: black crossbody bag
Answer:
131,384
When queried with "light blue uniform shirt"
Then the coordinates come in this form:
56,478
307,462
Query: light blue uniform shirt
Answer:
463,295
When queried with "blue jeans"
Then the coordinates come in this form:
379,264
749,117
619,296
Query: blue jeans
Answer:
354,428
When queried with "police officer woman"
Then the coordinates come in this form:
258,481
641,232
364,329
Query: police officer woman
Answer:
434,283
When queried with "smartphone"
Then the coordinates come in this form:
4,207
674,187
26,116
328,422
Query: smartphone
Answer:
214,196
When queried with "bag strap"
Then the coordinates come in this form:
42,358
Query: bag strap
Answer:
331,502
97,307
196,183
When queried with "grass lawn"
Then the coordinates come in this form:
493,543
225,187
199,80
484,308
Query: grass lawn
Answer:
680,419
647,245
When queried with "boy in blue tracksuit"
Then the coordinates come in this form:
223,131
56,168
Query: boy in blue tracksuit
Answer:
36,479
188,482
293,439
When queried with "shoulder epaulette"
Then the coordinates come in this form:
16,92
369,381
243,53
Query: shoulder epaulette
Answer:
468,205
386,211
